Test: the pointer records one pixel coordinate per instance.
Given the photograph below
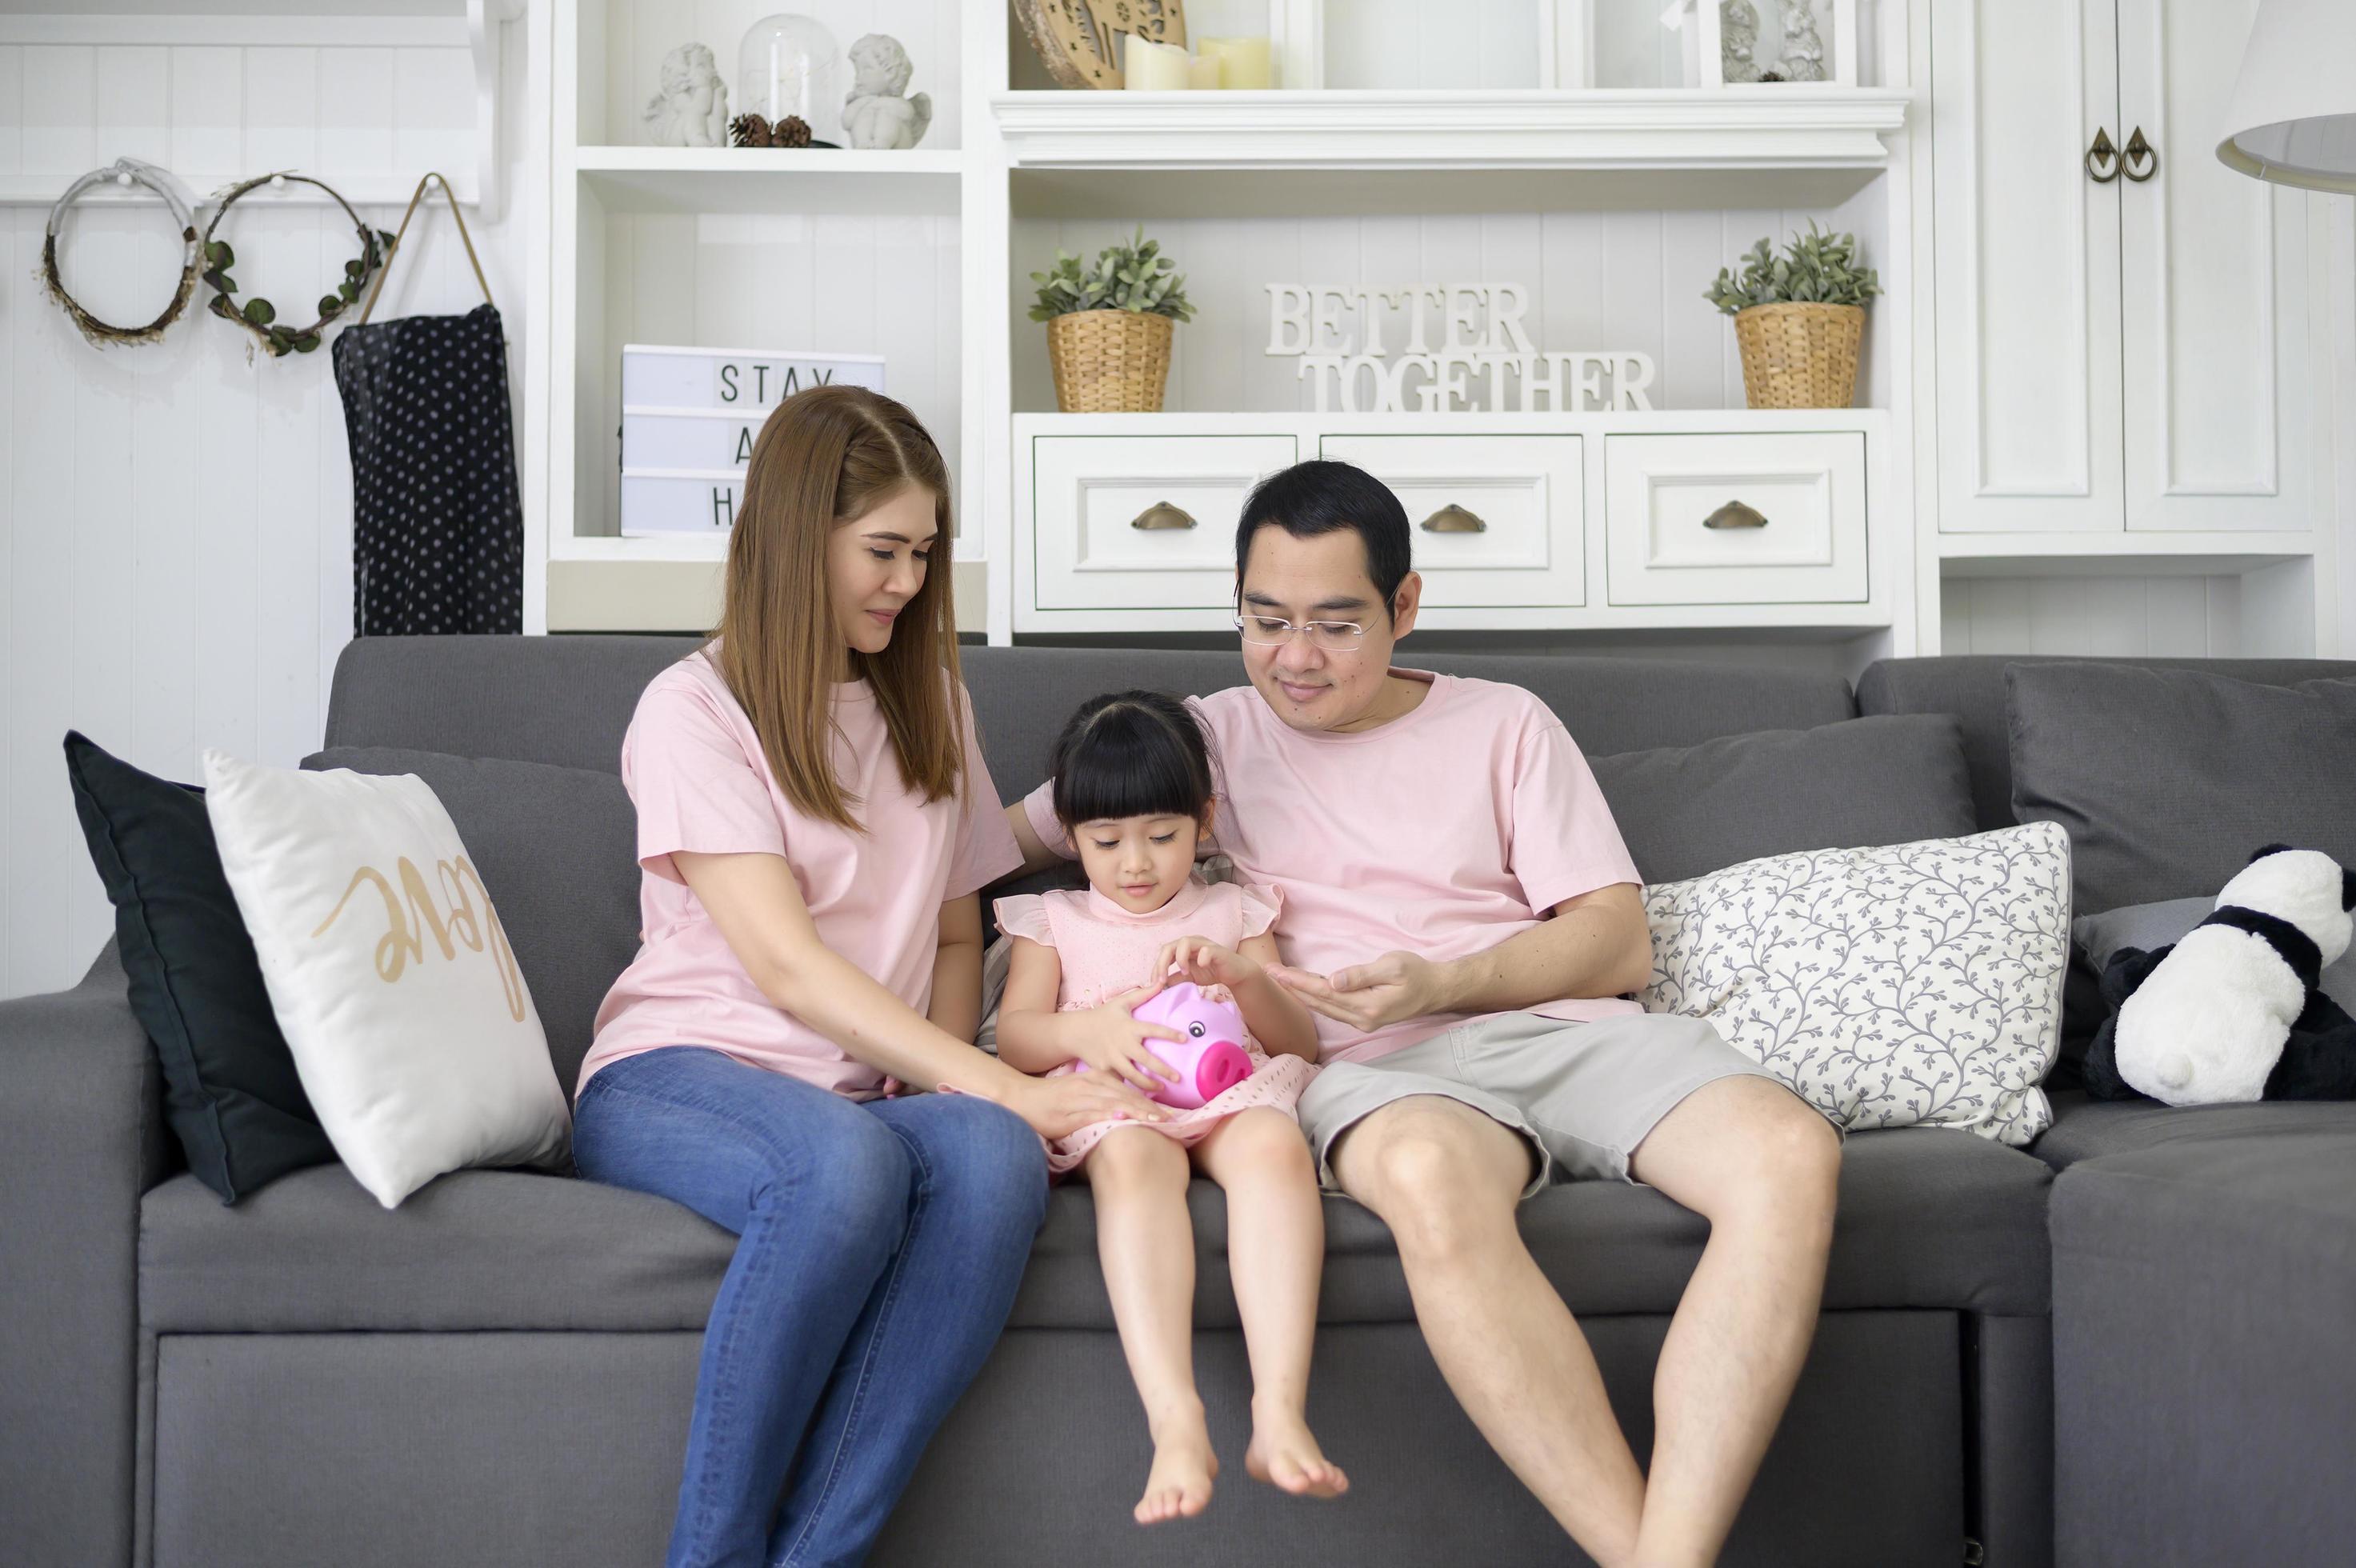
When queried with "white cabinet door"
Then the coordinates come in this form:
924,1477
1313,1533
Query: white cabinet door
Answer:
1496,520
2026,259
2214,298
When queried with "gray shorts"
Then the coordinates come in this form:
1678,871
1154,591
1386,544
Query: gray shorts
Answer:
1582,1095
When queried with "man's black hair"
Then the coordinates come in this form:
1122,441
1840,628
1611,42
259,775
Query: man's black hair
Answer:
1323,497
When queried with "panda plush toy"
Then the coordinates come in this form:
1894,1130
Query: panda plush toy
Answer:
2231,1012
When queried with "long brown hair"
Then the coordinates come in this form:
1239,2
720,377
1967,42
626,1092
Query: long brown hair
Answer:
827,456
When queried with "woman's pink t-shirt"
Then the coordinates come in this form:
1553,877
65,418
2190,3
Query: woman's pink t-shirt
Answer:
1456,826
695,770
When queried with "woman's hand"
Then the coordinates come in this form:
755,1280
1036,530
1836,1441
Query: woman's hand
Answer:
1107,1038
1205,963
1061,1106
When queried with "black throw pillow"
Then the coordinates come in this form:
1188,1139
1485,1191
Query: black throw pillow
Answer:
229,1088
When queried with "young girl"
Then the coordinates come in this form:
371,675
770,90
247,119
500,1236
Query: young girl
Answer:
1133,787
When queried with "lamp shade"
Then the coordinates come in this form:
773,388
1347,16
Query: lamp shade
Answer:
2293,116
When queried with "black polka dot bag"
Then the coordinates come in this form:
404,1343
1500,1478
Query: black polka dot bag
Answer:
437,522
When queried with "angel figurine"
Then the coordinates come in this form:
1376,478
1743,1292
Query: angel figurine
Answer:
1738,35
875,114
1804,51
691,110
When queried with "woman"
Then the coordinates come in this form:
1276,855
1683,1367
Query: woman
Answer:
815,821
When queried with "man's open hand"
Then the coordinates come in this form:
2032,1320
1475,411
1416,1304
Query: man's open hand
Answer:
1369,996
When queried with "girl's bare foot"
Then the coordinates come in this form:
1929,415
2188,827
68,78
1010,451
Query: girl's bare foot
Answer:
1285,1455
1179,1486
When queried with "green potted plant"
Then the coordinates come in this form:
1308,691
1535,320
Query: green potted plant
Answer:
1799,319
1108,327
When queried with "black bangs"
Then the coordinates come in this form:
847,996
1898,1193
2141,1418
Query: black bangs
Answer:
1131,754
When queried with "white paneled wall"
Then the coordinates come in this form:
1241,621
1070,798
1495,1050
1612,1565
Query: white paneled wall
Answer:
1412,43
2114,617
1596,280
175,518
212,113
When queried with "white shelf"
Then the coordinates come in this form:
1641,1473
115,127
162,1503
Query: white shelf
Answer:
1735,128
710,547
770,179
2143,553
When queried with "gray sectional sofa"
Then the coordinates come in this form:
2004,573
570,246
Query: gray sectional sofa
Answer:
499,1372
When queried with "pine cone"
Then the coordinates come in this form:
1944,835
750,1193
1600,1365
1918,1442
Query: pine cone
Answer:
793,131
749,130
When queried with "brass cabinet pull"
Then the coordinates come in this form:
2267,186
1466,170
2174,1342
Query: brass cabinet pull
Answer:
1454,519
1161,514
1734,514
2139,148
2103,151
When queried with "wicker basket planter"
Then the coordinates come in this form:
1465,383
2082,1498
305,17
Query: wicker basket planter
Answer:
1109,361
1799,355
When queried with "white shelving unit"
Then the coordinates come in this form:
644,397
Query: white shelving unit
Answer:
807,250
673,245
1619,202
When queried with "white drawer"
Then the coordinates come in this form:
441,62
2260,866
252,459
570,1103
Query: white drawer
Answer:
1736,520
1142,521
1497,520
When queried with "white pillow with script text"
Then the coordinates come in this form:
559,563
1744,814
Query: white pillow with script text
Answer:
413,1031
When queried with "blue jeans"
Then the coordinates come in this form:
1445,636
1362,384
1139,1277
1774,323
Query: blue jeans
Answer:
879,1247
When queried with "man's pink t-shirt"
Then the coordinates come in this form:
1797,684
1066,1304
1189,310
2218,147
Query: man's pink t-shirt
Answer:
1443,832
696,772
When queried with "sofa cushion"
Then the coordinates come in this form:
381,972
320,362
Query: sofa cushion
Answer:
1971,687
2204,1396
1929,1219
2167,780
557,849
1897,986
2087,1129
566,700
2150,926
1686,811
474,1250
231,1094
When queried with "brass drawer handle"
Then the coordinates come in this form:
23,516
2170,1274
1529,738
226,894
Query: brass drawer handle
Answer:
1161,514
2137,149
1454,519
1734,514
2103,151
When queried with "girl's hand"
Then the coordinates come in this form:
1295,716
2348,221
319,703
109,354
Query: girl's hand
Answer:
1064,1104
1107,1038
1205,963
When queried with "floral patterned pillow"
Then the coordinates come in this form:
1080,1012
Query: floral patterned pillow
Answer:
1915,983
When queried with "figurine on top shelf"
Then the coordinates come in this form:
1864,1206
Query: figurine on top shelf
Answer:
877,114
691,110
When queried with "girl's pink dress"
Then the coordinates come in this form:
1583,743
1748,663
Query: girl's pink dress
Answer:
1104,950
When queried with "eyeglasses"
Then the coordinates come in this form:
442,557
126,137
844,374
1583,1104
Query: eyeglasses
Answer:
1326,636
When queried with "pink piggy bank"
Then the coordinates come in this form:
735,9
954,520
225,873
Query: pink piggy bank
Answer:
1211,1059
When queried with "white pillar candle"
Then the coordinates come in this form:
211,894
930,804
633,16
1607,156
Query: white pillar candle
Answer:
1149,67
1243,62
1203,71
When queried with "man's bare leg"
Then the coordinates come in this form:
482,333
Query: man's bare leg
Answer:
1446,1179
1762,1168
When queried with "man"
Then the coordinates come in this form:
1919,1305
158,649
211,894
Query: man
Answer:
1462,916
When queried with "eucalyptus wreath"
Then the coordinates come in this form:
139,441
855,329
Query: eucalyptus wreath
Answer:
257,315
